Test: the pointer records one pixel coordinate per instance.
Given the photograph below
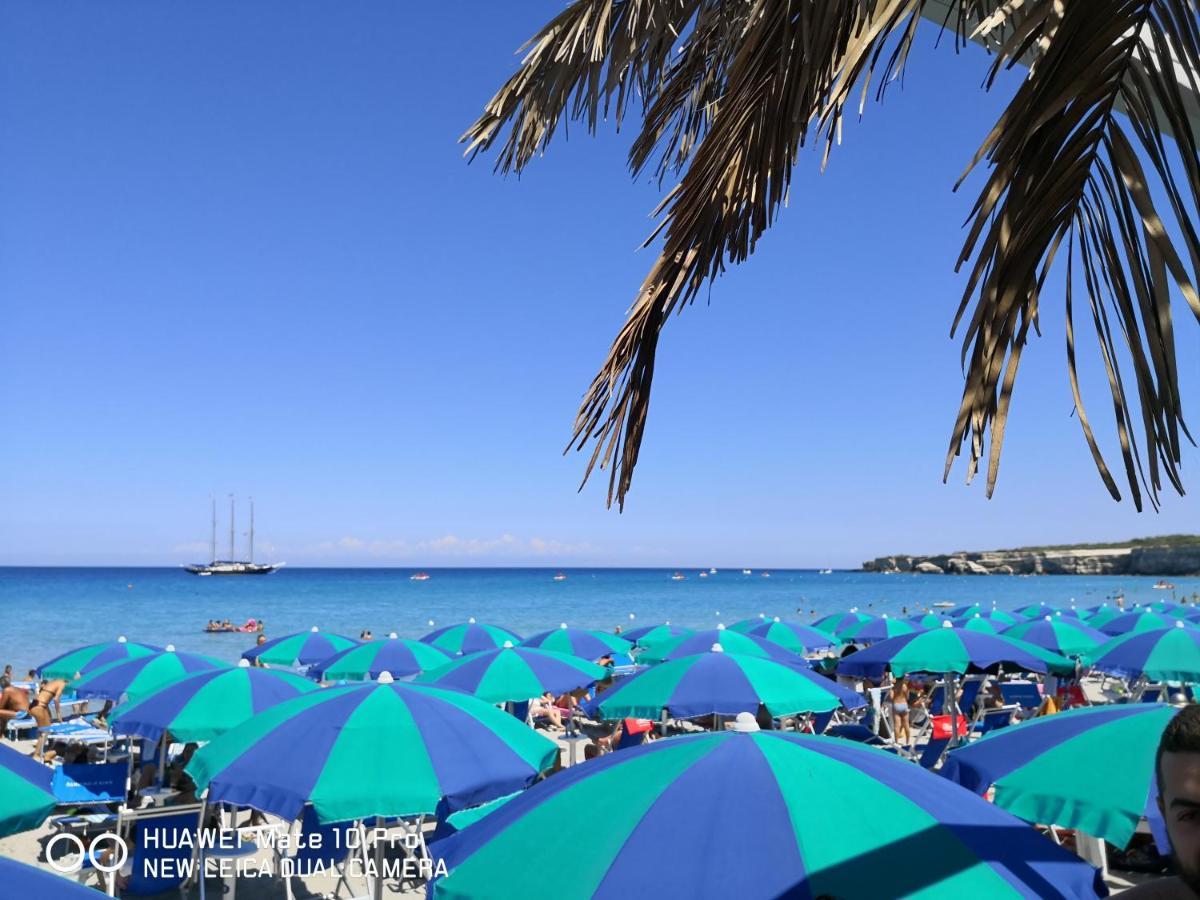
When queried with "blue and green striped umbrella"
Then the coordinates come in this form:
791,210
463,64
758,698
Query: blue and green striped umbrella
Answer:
200,707
794,636
1165,654
990,613
582,642
137,678
1101,615
83,660
23,880
369,660
721,683
879,629
1089,768
304,648
980,624
469,637
1041,610
731,641
1138,620
25,796
648,635
754,814
744,625
515,674
835,622
1167,607
1059,634
951,650
360,751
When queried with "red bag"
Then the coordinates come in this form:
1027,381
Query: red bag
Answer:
941,727
637,726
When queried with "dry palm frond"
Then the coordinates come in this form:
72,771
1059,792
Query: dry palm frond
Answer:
1064,169
733,88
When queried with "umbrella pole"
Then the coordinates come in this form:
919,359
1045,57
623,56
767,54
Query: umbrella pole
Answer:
951,705
377,888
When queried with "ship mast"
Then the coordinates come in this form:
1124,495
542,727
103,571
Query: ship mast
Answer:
213,500
251,530
232,557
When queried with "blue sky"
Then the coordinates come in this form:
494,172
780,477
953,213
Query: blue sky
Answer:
240,252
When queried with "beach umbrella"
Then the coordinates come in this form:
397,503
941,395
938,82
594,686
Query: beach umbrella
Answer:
1167,607
582,642
980,624
1101,615
1166,654
137,678
928,620
731,641
385,749
795,637
469,637
23,880
1041,610
1138,620
25,796
83,660
1090,768
202,706
948,650
514,674
369,660
999,616
721,683
876,630
744,625
646,635
1059,634
755,814
304,648
835,622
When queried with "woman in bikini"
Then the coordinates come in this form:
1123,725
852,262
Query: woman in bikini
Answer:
901,729
49,692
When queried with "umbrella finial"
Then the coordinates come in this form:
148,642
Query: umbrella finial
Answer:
170,648
562,625
744,724
1047,618
668,622
717,648
385,677
720,626
431,623
884,616
1179,623
508,645
243,663
392,636
314,629
471,621
121,639
947,624
776,619
632,616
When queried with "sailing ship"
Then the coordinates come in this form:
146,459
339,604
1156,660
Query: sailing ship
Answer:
232,565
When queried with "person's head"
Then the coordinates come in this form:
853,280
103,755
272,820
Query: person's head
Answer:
848,649
32,676
1177,769
5,681
590,751
8,669
262,639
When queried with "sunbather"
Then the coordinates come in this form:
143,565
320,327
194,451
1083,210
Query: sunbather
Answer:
14,701
49,692
901,724
543,707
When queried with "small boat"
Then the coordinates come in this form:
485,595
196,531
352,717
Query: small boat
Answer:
942,604
712,571
1162,585
824,571
703,574
678,576
419,576
766,574
745,571
560,577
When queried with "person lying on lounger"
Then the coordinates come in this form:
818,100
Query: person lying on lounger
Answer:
543,707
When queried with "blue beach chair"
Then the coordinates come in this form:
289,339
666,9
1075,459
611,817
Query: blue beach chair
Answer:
995,719
168,863
89,784
933,753
1024,694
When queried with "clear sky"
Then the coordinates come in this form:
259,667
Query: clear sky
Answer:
240,252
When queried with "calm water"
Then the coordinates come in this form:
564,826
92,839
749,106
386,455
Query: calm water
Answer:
47,611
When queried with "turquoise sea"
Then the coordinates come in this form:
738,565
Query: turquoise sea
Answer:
48,610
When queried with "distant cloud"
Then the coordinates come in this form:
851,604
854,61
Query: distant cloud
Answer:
452,545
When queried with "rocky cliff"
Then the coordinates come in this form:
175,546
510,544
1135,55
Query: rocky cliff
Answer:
1160,560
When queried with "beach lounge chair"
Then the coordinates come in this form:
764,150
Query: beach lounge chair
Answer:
1150,693
994,719
320,849
164,864
90,784
934,752
1024,694
821,721
634,732
862,734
